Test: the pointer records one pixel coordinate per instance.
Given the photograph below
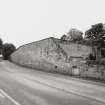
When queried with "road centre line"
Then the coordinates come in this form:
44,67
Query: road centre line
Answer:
9,97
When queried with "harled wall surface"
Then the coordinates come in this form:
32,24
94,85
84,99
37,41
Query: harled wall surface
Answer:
49,55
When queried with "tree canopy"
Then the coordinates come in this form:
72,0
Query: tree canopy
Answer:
73,35
1,45
7,50
96,34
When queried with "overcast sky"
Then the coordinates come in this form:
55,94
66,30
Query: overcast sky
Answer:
24,21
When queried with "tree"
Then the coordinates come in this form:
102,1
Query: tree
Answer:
74,35
96,35
7,50
1,45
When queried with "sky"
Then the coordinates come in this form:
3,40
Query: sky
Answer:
25,21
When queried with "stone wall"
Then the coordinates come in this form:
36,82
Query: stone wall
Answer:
51,55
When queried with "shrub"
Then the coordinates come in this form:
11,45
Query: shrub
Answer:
63,38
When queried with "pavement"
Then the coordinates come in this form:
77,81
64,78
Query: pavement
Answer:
24,86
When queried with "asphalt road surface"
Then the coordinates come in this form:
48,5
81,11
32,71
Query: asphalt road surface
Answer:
23,86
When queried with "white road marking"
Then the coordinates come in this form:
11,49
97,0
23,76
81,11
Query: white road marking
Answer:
9,97
2,96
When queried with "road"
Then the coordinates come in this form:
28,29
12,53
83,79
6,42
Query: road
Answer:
24,86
